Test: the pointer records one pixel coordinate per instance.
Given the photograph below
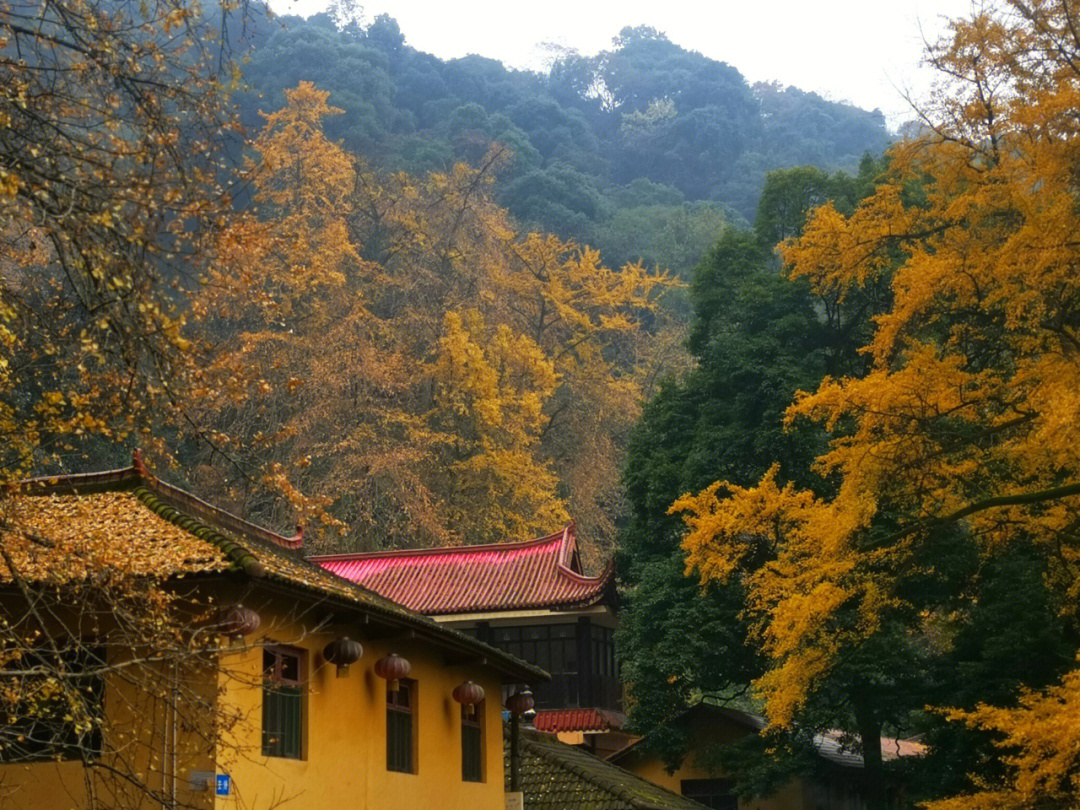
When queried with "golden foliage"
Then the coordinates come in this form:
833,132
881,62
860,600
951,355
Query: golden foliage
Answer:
1040,742
490,394
60,539
110,180
970,415
397,350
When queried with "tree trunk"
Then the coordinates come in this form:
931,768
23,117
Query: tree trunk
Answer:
873,772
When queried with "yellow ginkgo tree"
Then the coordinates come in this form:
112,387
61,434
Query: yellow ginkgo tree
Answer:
391,354
114,184
968,421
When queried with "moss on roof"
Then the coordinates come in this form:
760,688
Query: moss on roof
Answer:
556,776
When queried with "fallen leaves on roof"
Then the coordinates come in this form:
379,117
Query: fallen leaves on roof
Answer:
128,523
60,538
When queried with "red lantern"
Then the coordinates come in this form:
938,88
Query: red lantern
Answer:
238,621
468,694
520,702
392,668
341,652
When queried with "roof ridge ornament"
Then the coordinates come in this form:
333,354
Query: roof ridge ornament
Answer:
139,465
568,548
297,539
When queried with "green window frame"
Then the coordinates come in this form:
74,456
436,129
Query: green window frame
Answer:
283,702
472,744
401,727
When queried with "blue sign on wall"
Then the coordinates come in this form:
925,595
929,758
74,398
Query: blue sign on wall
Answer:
223,784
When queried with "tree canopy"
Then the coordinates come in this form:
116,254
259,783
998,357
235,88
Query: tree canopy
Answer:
951,464
644,109
392,347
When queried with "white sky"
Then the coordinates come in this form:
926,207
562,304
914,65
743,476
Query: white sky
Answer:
863,51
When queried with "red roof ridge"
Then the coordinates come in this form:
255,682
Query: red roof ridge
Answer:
436,551
138,475
64,482
251,555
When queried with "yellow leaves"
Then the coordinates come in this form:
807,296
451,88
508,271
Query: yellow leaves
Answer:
453,380
836,252
301,167
469,381
64,538
175,18
1040,742
794,554
724,531
499,379
9,182
966,422
492,387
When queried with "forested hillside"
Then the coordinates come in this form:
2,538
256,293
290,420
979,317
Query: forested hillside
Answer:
642,151
443,288
407,330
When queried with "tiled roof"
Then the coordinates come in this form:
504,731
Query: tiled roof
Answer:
555,720
130,520
836,747
541,573
832,746
556,776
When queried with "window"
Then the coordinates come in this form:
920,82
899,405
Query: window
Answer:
472,743
41,725
550,647
283,702
400,731
714,793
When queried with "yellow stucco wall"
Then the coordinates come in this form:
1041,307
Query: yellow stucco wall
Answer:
54,786
345,758
716,732
344,766
148,727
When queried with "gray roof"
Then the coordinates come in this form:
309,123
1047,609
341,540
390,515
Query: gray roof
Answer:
557,776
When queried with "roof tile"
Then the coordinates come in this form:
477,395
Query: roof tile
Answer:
556,776
555,720
62,528
541,573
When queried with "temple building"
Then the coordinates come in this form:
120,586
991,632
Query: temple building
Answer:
531,599
303,690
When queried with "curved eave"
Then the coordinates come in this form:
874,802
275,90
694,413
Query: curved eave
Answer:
241,543
401,575
603,592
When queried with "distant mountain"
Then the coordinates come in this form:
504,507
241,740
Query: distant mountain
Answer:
645,125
